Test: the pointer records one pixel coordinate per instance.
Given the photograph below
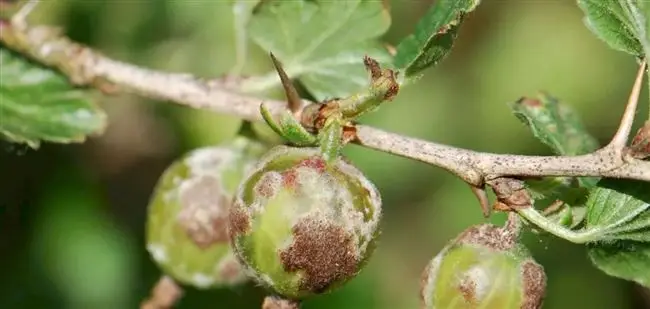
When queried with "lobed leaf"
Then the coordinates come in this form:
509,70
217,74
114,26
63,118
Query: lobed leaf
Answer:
626,259
38,104
321,42
622,24
433,37
619,209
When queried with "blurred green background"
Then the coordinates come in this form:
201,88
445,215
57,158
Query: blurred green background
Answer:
72,217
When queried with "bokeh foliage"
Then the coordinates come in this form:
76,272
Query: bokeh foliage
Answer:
72,217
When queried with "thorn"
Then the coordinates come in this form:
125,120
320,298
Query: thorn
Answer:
20,18
482,197
293,99
620,138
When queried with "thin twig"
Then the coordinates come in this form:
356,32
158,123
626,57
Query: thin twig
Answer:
85,66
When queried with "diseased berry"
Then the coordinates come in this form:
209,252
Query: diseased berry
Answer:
187,230
301,226
484,268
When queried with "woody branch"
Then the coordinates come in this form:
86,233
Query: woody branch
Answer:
85,66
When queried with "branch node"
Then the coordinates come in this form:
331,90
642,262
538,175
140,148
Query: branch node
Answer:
511,193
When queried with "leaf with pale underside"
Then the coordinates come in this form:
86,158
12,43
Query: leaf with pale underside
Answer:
622,24
433,37
320,42
38,104
628,260
619,210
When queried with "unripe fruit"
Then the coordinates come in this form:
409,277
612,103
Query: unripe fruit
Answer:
187,230
484,268
302,226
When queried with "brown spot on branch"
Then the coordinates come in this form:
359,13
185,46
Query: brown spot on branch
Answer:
640,147
511,194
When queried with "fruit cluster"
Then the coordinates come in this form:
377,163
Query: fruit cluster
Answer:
304,220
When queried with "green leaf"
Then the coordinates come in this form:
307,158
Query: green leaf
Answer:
38,104
623,24
556,125
321,42
433,37
242,10
624,259
619,209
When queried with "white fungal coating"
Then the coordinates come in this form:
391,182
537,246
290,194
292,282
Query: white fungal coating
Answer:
316,195
158,252
479,279
202,281
366,229
430,273
210,160
302,225
187,219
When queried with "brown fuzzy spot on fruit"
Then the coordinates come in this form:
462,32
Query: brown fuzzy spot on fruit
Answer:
289,178
467,288
534,282
490,236
268,185
315,162
324,252
239,221
230,270
272,302
204,211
